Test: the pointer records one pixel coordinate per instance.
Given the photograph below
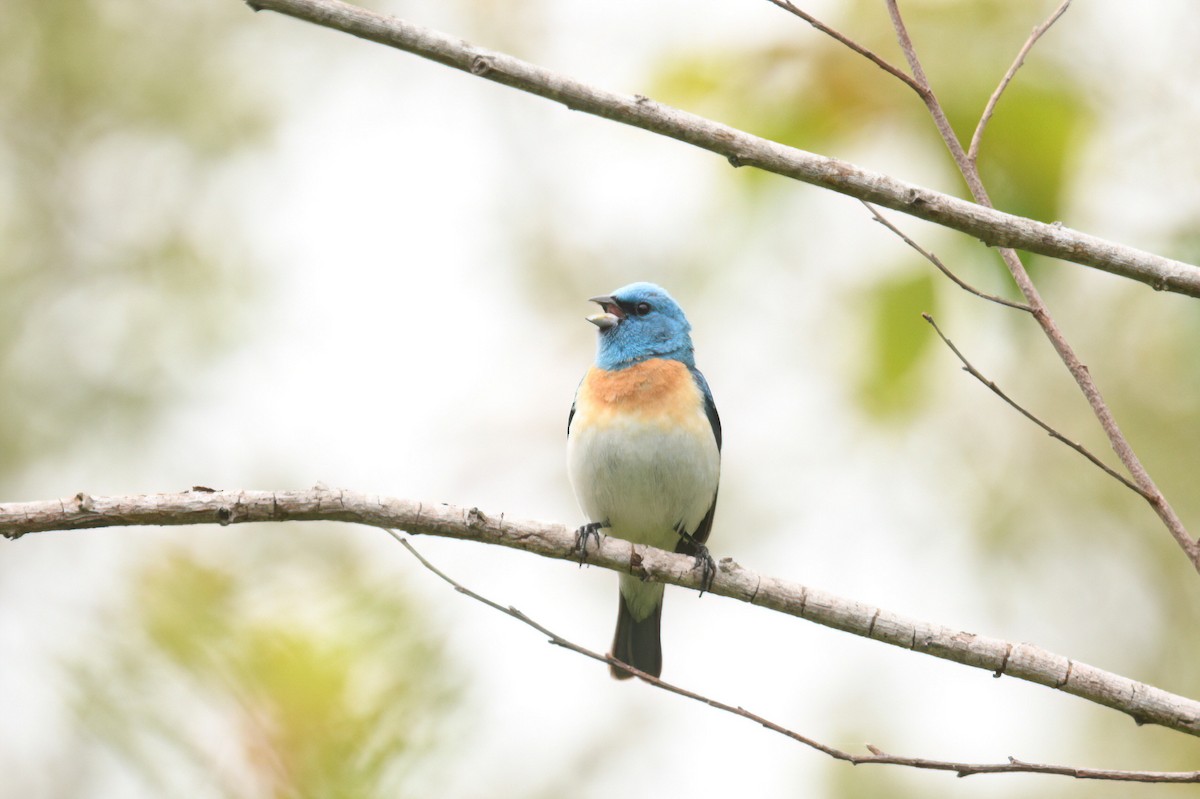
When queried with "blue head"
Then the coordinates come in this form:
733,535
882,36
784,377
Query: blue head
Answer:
638,322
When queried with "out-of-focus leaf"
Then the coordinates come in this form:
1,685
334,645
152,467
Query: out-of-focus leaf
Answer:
294,669
185,605
120,257
897,339
1026,148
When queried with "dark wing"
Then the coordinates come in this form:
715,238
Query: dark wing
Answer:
571,415
687,546
710,407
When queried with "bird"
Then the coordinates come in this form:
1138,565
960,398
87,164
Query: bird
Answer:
644,453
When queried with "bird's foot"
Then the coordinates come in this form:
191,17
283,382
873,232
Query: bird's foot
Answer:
590,530
704,561
708,568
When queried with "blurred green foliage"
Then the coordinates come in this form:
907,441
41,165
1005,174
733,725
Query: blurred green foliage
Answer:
802,93
277,667
288,671
291,670
1027,148
889,380
121,263
813,93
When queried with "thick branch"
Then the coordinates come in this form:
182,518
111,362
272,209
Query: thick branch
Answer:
742,149
875,755
1146,704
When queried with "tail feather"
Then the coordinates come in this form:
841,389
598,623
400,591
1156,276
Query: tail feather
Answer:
637,643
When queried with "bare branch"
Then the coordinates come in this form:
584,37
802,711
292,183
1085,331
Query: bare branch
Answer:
1144,703
990,108
1142,483
742,149
995,389
933,259
896,72
971,370
935,108
1148,489
875,756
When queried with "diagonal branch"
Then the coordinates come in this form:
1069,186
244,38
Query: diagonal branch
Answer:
875,755
971,370
933,259
1079,371
743,149
1144,703
995,389
934,106
867,53
990,108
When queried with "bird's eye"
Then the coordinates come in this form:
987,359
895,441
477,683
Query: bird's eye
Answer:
642,308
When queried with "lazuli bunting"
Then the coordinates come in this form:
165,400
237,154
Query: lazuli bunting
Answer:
644,451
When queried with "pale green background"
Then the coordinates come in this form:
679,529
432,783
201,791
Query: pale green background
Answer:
240,251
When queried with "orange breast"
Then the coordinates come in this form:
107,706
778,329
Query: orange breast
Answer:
656,390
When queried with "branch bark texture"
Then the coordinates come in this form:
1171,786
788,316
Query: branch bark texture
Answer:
1041,313
1144,703
874,756
993,227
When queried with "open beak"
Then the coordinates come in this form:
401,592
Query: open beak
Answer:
610,314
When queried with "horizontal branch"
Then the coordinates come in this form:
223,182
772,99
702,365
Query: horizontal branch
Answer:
993,227
874,757
1145,703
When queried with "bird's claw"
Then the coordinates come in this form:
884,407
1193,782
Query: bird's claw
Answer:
590,530
690,546
708,568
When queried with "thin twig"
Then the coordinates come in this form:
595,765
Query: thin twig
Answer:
990,108
995,389
876,756
940,120
865,52
1148,489
933,259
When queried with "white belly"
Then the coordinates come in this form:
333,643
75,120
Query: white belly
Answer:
643,478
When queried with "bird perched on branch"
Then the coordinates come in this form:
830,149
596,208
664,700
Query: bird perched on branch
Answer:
644,452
